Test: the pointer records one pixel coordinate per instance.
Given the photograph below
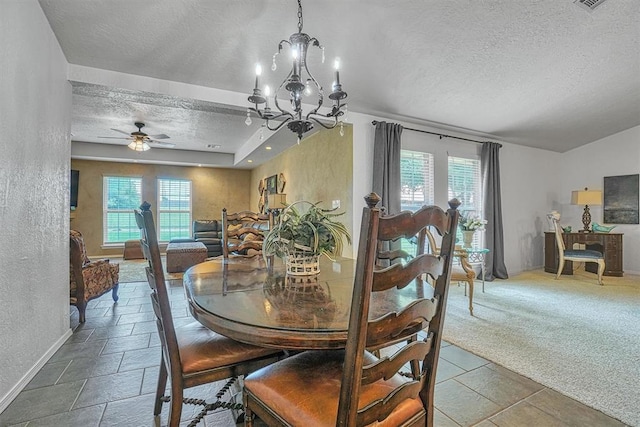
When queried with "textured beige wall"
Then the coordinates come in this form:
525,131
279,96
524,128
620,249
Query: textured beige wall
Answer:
319,169
35,121
212,190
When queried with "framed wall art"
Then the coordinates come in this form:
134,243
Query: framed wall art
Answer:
621,198
272,184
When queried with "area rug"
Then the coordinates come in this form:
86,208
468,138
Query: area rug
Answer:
572,335
133,270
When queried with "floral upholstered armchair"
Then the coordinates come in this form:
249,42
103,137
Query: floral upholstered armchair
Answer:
89,279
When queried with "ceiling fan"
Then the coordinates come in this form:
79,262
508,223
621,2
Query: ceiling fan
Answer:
139,140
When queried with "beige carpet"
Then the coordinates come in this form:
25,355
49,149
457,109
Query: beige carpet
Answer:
133,270
571,335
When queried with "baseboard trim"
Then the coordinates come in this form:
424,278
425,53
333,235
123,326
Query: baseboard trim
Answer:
6,400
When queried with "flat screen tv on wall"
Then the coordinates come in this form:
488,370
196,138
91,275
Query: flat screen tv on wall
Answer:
75,176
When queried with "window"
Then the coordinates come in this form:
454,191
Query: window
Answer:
121,195
416,183
465,184
174,209
416,179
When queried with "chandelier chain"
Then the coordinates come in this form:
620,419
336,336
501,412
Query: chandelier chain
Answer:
299,16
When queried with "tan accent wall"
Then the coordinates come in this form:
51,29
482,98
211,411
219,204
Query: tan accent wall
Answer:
212,190
319,169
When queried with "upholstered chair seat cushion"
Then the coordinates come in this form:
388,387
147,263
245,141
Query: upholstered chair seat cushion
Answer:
201,349
304,390
209,235
583,253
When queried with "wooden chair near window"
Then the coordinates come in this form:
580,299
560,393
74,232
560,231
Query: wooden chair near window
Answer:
463,272
191,354
352,387
243,232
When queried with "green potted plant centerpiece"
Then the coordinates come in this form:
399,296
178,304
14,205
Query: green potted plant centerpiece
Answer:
301,236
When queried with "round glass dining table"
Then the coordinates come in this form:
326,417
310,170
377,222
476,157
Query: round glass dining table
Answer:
250,302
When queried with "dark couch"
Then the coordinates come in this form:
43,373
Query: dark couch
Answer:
209,232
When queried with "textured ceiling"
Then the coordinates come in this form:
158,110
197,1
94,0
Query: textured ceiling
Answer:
544,73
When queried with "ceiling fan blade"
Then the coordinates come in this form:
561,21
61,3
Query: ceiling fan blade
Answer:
121,131
163,143
161,136
113,137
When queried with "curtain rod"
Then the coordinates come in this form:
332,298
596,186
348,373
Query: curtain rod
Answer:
375,122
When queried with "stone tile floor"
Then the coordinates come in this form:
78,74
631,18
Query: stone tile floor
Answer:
106,372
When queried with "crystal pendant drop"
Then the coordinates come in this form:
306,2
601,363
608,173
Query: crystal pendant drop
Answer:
273,63
261,132
248,120
341,129
322,47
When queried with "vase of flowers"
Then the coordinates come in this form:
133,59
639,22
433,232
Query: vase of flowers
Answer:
469,225
302,237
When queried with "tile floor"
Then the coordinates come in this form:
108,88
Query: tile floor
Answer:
105,375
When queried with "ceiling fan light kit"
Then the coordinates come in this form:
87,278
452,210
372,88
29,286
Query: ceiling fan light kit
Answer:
297,86
139,144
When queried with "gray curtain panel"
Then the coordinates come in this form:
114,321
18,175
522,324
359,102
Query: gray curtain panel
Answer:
490,161
386,165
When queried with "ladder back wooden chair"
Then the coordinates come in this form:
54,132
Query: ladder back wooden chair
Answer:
243,232
351,387
191,354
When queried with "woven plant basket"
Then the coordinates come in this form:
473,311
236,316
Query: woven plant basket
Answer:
302,263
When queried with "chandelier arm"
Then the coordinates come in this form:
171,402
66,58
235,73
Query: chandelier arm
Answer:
333,125
282,123
280,44
263,116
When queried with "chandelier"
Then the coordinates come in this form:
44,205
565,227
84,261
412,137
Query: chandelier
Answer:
298,83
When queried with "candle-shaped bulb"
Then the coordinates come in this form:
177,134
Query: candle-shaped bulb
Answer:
267,93
258,72
336,65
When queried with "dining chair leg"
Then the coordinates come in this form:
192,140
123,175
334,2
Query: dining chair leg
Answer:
175,409
162,384
248,415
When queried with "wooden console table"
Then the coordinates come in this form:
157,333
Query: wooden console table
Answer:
610,244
